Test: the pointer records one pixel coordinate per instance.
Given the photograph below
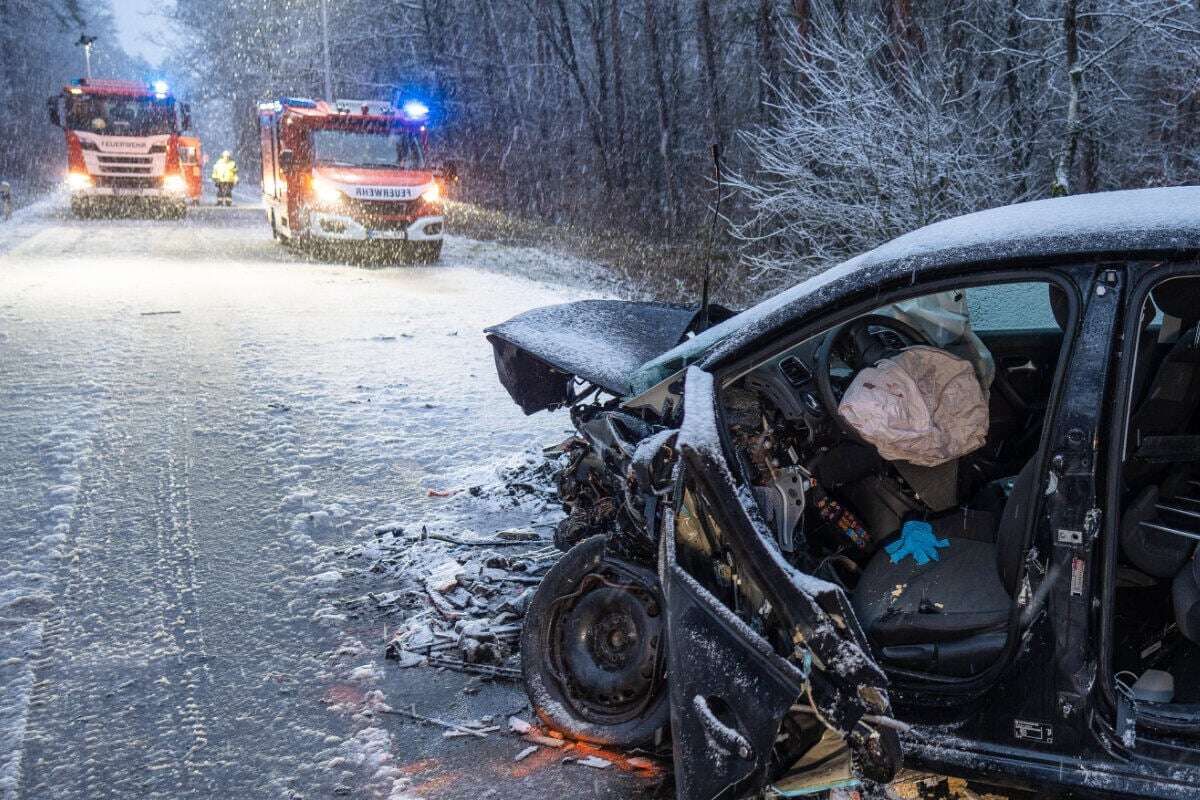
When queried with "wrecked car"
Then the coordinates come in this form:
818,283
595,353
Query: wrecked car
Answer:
934,507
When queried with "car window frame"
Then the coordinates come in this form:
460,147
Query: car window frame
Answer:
1068,274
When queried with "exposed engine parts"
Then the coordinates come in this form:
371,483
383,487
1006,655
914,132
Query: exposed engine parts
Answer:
771,444
617,469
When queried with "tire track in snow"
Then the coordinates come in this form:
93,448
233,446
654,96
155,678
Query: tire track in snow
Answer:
110,723
183,661
45,444
130,707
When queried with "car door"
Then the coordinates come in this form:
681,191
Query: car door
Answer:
750,637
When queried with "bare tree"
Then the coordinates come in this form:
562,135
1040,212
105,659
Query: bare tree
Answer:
871,146
848,120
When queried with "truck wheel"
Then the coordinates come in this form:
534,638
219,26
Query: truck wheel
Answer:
80,210
593,649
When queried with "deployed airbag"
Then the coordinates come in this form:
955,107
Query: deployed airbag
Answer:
924,406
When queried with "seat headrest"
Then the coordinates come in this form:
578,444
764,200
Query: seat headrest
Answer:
1179,298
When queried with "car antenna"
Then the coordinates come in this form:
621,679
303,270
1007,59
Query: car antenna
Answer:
702,319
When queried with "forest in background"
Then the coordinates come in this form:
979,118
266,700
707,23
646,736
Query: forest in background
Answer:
841,123
38,55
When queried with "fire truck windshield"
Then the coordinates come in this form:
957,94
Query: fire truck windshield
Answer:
121,116
396,149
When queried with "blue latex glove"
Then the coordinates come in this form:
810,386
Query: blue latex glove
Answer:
916,540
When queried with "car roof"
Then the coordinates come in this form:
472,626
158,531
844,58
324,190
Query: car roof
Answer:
1155,222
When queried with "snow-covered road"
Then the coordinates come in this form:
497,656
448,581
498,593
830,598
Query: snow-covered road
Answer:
194,425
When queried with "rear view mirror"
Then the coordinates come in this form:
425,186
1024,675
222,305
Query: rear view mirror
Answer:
52,106
287,160
185,116
450,171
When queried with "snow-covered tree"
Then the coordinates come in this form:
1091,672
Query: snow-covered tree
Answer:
37,56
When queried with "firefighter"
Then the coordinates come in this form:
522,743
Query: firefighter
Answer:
225,176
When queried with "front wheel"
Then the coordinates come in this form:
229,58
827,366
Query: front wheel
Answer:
593,649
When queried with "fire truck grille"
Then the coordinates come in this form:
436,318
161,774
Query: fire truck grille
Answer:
126,165
383,215
126,182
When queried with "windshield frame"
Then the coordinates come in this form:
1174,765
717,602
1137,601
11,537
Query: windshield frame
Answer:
83,111
343,139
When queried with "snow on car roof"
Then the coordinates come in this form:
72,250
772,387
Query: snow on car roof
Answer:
1139,221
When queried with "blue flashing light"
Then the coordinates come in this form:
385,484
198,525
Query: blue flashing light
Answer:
415,109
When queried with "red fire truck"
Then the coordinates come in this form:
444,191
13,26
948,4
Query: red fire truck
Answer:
122,144
351,171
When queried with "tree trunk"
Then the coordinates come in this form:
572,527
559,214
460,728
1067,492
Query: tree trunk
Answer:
1066,156
768,60
597,19
664,119
565,47
1012,91
708,50
618,82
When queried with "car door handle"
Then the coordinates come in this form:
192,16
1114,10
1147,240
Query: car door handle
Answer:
1021,368
724,736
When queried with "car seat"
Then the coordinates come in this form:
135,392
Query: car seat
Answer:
1155,533
1159,426
948,616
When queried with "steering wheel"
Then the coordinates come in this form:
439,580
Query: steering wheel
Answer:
860,349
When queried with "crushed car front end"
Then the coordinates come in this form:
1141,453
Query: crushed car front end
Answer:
764,665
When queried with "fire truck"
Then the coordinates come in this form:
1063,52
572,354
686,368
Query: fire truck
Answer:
122,144
351,171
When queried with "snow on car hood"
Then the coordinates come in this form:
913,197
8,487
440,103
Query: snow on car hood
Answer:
368,183
600,341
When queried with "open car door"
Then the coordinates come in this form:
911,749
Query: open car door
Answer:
767,665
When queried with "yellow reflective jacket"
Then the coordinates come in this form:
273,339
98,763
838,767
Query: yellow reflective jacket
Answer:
225,171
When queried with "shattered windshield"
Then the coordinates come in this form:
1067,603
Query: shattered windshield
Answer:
400,149
121,116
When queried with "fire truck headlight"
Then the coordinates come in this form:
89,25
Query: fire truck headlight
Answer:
326,192
78,180
174,184
433,194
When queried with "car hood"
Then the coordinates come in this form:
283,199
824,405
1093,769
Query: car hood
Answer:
603,342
